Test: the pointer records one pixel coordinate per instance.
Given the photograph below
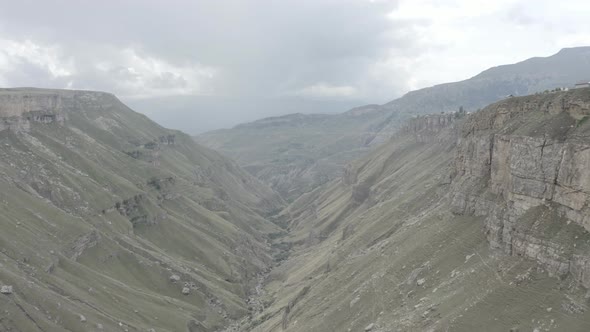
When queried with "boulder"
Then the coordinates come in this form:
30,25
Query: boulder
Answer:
6,289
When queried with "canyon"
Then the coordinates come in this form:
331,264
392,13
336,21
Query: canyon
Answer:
459,221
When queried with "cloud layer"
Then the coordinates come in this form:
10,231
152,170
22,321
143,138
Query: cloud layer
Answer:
327,49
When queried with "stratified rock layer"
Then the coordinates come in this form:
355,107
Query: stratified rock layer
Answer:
524,163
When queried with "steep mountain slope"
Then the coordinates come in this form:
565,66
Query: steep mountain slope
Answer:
298,152
294,153
111,222
456,224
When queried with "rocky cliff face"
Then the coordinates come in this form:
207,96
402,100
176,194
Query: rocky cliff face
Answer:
19,108
523,163
425,128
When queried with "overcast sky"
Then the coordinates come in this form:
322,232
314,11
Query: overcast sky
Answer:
357,50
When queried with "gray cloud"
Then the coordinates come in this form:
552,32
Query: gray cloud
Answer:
243,59
258,47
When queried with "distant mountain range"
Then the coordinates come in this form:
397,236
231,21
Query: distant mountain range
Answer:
198,114
295,153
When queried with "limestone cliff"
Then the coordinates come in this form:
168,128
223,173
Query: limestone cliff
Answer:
425,128
523,163
21,107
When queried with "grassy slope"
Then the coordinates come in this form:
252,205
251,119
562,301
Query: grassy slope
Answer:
59,185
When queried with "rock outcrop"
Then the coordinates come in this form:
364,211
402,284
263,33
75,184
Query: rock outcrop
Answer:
425,128
82,243
6,289
523,163
19,108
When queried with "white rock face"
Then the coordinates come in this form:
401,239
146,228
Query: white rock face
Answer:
537,174
6,289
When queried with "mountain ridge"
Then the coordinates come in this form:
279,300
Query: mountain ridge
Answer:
354,133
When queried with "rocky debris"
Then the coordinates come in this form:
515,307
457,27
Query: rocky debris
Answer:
191,285
82,243
82,318
186,291
413,275
174,278
369,327
420,281
6,289
572,307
